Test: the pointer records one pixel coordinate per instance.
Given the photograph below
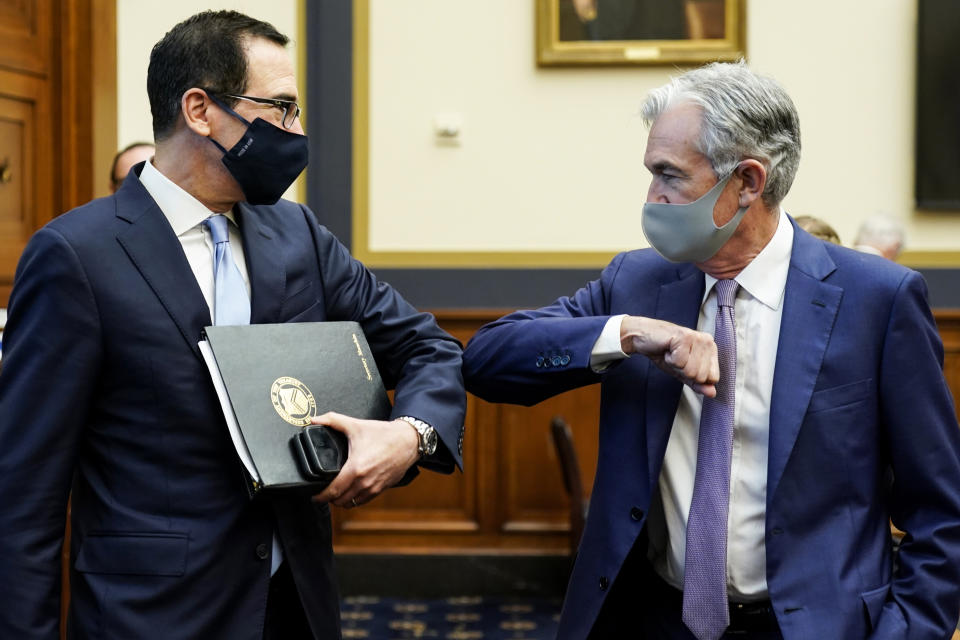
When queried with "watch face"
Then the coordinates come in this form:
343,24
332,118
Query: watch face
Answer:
430,442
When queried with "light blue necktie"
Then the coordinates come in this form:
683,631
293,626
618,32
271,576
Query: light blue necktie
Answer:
705,609
231,303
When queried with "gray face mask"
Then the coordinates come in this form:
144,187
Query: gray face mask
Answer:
686,232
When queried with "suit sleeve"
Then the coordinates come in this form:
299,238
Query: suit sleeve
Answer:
50,358
416,358
528,356
924,444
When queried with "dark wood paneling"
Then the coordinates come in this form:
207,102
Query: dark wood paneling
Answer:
55,130
531,491
510,497
25,28
948,322
27,182
27,161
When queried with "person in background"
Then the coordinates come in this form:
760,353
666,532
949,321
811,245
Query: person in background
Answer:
130,155
769,402
104,390
882,235
818,228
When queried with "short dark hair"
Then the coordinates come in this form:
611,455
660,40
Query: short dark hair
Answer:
114,180
204,51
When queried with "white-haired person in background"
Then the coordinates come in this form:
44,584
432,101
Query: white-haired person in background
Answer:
881,234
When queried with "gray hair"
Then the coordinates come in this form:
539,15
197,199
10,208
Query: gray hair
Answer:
745,115
882,231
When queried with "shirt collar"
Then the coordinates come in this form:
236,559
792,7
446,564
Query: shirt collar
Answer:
182,210
765,278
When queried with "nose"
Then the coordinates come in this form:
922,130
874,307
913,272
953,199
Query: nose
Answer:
298,127
655,195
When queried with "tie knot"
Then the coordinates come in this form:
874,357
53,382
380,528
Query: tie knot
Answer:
726,292
218,228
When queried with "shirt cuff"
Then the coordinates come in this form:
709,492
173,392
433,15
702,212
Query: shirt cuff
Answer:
606,350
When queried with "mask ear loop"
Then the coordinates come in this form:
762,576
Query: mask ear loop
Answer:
226,108
740,210
218,145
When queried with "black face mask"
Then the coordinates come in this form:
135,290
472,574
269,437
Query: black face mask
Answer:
266,160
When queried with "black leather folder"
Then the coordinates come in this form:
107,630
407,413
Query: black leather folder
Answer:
273,378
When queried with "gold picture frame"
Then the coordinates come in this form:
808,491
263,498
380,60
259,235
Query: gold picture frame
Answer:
639,32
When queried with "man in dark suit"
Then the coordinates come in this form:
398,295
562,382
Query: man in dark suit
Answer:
103,388
754,501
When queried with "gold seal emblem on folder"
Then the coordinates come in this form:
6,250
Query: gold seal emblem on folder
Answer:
293,401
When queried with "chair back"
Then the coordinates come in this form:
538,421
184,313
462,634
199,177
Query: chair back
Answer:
570,470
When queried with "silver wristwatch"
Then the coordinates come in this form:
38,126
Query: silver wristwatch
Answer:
426,434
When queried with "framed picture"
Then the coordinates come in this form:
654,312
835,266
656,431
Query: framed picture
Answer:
644,32
937,154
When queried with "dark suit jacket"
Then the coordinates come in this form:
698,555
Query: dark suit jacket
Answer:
103,388
858,391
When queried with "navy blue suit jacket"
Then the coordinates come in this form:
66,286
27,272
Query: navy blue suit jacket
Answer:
103,389
858,391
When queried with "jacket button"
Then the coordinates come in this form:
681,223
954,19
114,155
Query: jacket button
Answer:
263,551
636,513
604,583
776,531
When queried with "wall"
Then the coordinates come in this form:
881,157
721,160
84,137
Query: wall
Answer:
546,150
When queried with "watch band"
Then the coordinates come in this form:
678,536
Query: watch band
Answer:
423,431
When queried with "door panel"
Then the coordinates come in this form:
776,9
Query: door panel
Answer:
26,175
25,34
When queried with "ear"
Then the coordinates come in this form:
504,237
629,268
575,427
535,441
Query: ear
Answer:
753,177
195,106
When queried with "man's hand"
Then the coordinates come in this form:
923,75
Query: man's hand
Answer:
688,355
380,453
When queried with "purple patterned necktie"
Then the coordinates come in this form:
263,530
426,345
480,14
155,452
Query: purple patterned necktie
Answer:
705,610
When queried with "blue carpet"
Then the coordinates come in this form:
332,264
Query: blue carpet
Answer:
455,618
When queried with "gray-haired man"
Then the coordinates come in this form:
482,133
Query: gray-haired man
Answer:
754,502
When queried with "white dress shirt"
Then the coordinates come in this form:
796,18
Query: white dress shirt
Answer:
186,215
758,311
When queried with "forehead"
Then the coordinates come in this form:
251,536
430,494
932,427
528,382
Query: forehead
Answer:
269,70
673,136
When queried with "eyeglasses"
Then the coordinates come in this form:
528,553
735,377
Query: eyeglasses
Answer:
290,109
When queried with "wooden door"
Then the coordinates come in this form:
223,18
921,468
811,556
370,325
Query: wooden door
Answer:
26,153
57,128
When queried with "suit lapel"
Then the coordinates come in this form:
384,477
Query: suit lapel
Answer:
677,302
264,266
156,252
809,311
